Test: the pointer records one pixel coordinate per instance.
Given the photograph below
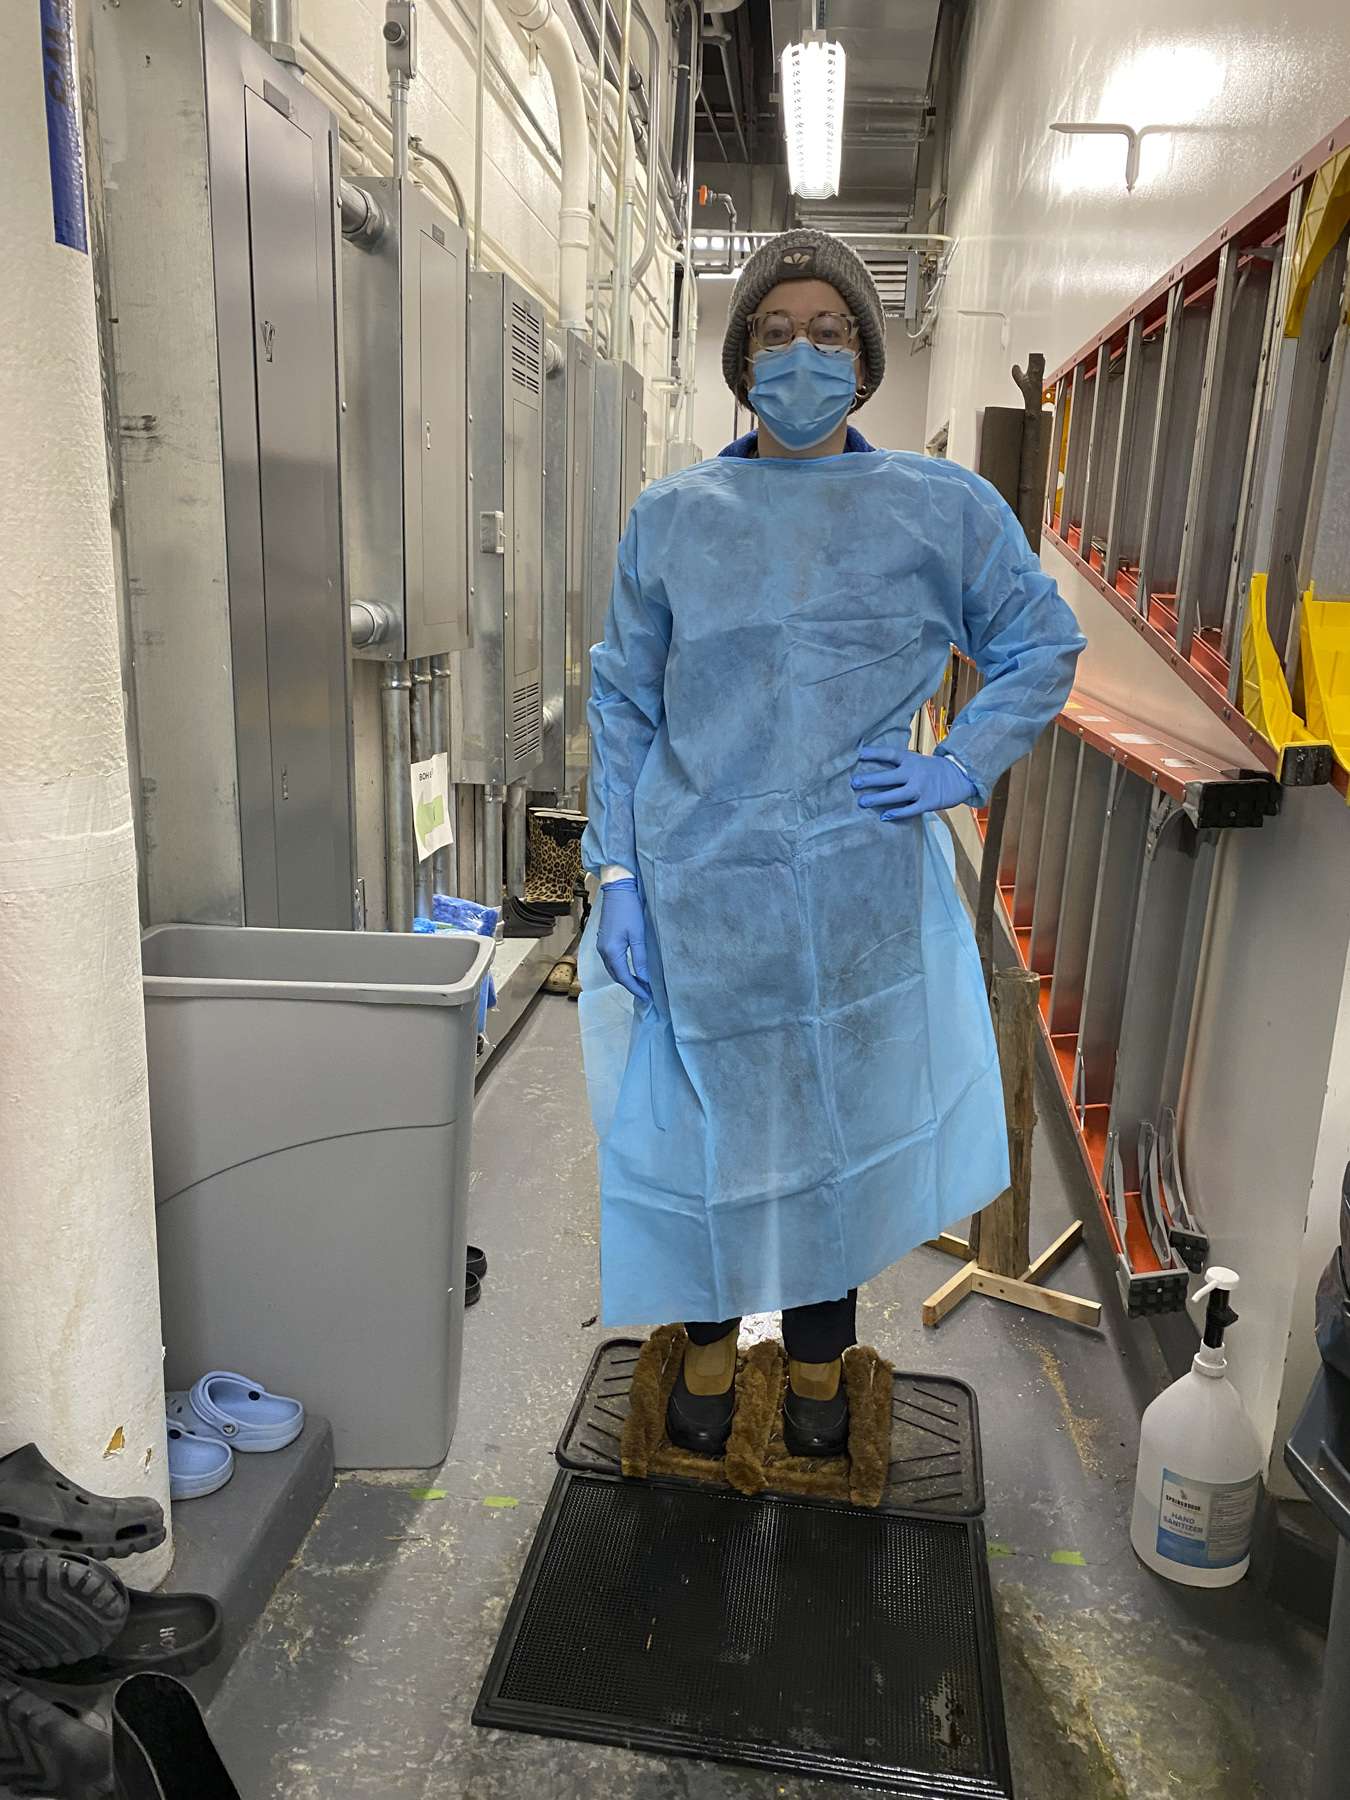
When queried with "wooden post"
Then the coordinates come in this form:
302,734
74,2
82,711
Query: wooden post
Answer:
1001,1234
997,1261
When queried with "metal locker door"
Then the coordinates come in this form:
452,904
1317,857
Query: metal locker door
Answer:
576,667
435,444
524,449
291,262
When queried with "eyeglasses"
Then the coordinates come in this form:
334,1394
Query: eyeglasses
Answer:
826,330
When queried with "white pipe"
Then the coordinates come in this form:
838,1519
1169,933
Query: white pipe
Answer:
81,1367
543,26
624,195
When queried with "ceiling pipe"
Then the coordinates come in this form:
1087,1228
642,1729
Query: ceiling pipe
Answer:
722,38
541,24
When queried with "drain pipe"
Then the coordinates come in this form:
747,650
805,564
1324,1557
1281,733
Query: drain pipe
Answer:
81,1359
396,734
542,25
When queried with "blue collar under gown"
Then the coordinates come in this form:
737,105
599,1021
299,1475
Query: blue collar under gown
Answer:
815,1088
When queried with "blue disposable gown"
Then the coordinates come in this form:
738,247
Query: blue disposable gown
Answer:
815,1088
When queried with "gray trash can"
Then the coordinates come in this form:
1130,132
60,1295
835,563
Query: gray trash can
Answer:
311,1097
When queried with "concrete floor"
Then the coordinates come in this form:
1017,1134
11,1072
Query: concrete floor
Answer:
361,1679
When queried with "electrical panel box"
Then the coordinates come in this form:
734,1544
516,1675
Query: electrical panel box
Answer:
617,474
216,265
633,415
405,442
501,676
569,403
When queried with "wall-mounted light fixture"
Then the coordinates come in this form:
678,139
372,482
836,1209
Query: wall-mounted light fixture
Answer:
1104,128
813,114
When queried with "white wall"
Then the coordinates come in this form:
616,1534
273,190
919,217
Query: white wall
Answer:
894,420
1049,235
1047,231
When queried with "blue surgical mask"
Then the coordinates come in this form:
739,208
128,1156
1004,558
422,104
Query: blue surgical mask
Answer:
802,393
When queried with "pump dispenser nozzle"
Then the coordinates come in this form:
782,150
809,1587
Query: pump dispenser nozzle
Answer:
1219,1315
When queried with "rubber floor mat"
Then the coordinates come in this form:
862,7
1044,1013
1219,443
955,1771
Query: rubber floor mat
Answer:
794,1634
935,1463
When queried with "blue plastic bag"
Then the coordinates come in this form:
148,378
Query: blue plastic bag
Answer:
450,914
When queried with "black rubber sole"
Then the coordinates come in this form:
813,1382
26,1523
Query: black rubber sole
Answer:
698,1423
475,1261
813,1427
46,1750
473,1288
164,1634
56,1608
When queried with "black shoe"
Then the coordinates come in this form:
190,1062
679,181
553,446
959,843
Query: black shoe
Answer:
164,1634
815,1427
161,1747
56,1608
699,1422
40,1509
475,1261
473,1288
47,1748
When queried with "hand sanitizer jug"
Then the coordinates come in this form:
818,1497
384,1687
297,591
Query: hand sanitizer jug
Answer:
1200,1464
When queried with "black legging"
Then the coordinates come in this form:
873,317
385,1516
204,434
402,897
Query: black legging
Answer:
811,1334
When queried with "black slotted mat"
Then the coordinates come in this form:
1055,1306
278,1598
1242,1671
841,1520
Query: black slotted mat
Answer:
794,1634
935,1434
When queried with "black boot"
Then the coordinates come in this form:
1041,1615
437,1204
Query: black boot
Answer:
56,1608
815,1410
161,1747
703,1400
48,1748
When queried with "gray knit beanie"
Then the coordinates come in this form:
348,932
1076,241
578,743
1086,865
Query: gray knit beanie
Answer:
805,255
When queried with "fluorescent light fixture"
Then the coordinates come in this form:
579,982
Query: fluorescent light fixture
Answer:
813,115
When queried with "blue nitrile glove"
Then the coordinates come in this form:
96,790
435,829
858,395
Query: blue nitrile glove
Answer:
621,935
902,785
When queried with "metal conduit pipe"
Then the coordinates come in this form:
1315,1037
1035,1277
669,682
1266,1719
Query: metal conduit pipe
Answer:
275,25
719,35
625,194
655,144
542,25
494,796
396,744
516,814
422,749
422,154
444,873
479,87
597,174
362,220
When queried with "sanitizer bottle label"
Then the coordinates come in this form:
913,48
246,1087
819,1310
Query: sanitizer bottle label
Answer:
1206,1524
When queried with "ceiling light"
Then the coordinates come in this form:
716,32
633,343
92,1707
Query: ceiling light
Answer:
813,115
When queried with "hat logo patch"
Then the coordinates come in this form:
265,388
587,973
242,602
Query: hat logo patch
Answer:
798,259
